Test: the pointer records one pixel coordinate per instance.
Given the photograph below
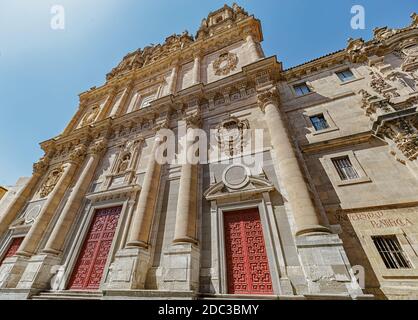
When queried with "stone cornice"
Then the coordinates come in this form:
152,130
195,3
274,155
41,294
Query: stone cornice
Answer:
334,143
385,40
178,102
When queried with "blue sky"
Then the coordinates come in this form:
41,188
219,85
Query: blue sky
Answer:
42,71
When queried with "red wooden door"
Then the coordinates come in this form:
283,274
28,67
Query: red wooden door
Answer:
248,269
14,246
91,262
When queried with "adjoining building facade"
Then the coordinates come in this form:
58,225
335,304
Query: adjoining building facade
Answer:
328,210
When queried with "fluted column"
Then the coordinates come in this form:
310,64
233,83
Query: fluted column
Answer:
186,216
23,196
253,48
298,196
143,216
59,234
36,232
196,68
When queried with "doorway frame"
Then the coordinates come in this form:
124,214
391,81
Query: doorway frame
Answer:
80,238
273,246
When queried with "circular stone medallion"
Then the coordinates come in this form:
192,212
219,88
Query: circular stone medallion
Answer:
236,176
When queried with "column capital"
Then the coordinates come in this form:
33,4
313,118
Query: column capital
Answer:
193,121
78,154
165,124
268,96
40,167
99,147
198,54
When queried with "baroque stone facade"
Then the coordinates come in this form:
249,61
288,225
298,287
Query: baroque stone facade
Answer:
328,211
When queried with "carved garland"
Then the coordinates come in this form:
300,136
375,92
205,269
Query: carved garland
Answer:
225,64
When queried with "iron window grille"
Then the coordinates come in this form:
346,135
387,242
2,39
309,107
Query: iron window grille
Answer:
391,252
345,168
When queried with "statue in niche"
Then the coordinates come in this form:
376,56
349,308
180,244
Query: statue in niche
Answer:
50,182
90,116
124,163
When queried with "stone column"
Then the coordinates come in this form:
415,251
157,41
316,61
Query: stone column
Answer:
253,48
36,232
298,196
185,228
181,260
143,216
173,79
59,234
196,68
23,196
130,268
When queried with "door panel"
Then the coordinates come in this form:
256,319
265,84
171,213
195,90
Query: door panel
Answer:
247,263
92,259
13,247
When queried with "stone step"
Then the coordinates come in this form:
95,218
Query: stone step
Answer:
69,295
237,297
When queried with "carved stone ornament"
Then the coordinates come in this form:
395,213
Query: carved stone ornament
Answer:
267,96
124,163
231,136
78,154
405,135
381,86
41,166
356,50
99,147
372,104
193,120
32,214
51,181
225,64
151,54
90,116
411,59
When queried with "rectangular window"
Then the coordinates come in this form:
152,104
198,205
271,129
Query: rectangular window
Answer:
391,252
319,122
345,75
345,168
301,89
146,101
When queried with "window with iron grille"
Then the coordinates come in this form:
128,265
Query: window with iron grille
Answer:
345,75
301,89
391,252
345,168
319,122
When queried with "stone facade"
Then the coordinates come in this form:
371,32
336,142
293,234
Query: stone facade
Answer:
337,175
3,191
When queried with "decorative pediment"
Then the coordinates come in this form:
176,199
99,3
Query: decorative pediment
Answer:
255,185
